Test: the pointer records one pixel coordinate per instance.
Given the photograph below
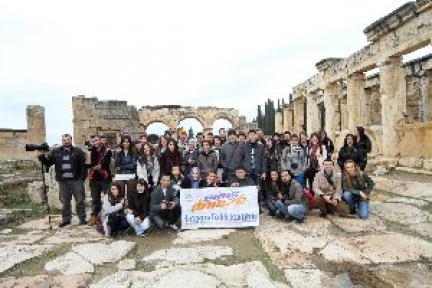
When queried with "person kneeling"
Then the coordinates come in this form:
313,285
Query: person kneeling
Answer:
357,186
165,206
139,208
112,214
294,204
327,189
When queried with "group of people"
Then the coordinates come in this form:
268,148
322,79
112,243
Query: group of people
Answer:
138,184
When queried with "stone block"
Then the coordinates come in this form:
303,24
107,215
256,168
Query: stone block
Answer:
15,254
73,281
427,164
201,235
400,212
350,225
99,253
411,162
70,264
424,229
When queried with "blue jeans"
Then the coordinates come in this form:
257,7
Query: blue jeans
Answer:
298,211
356,202
271,206
139,228
299,178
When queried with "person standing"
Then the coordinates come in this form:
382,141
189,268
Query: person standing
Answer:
294,160
70,170
255,160
126,165
99,175
207,160
148,166
349,151
232,156
170,157
364,146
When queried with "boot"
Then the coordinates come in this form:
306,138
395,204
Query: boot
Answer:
93,219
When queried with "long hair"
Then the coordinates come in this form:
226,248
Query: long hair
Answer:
354,140
358,174
176,149
142,157
122,140
115,199
275,187
315,134
361,133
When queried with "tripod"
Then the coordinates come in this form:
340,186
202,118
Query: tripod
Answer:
43,171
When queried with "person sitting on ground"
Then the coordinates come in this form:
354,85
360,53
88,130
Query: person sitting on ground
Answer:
356,186
193,181
210,180
293,204
349,151
273,189
112,213
138,209
241,178
176,179
165,206
327,189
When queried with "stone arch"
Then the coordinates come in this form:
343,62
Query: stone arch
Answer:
146,124
191,116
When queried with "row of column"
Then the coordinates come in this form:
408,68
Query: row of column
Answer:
393,103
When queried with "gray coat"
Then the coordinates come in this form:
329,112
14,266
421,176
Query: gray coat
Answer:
293,155
157,197
231,156
260,158
207,162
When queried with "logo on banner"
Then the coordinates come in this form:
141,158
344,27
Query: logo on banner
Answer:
219,200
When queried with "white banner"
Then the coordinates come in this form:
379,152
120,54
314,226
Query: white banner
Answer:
219,207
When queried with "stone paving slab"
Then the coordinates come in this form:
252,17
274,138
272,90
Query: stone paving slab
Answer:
341,252
354,225
251,274
75,281
386,248
186,255
20,239
306,278
13,254
201,235
70,264
74,236
415,202
399,212
99,253
404,188
424,229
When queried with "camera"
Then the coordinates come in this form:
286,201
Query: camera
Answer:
294,166
37,147
88,145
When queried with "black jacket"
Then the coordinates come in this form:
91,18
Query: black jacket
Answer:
77,158
139,203
259,156
243,182
157,197
125,164
187,183
105,163
346,153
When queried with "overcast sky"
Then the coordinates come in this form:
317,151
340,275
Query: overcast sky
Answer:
222,53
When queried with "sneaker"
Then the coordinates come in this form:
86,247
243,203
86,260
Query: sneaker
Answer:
353,211
299,221
323,215
142,235
64,223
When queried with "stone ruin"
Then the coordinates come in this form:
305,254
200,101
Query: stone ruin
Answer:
110,118
394,105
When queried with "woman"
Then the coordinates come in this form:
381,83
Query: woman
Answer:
364,145
328,143
148,166
162,145
356,187
317,154
193,181
126,165
349,151
273,189
210,180
273,155
170,157
112,213
138,211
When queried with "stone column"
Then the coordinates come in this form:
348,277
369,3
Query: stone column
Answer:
278,122
286,118
343,113
312,124
355,99
298,104
330,104
36,129
393,102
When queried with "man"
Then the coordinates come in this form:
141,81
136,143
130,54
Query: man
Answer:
200,139
164,205
190,157
99,164
286,139
209,137
70,173
104,140
143,139
241,179
222,135
260,136
232,156
294,160
207,160
255,160
242,138
328,191
293,204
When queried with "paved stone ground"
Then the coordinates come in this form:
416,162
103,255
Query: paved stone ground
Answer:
393,248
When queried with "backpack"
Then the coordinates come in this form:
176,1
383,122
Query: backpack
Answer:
310,198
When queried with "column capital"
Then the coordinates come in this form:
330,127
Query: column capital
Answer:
357,76
390,61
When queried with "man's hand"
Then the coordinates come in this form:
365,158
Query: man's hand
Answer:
39,154
163,205
334,202
97,167
263,176
364,196
328,199
279,196
128,211
137,219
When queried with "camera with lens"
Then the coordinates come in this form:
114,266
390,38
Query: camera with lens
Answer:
37,147
294,166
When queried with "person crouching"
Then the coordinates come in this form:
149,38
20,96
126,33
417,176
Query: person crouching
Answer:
138,211
165,206
112,214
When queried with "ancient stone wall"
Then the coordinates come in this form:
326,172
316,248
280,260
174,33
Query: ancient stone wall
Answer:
394,105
